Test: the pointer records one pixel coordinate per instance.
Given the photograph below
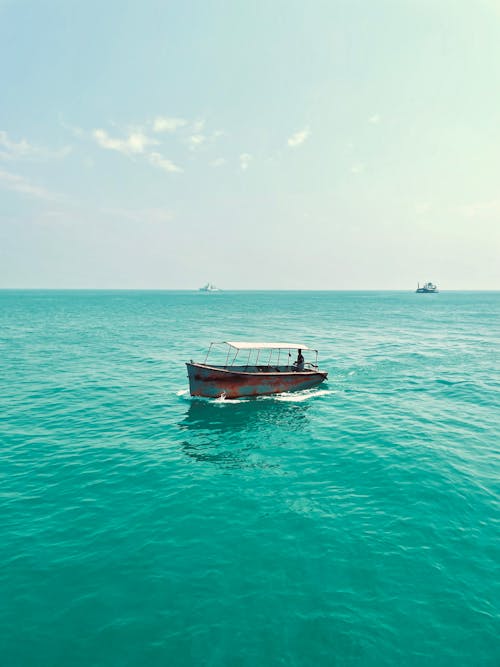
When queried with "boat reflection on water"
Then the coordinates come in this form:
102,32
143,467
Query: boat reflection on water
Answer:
229,433
245,415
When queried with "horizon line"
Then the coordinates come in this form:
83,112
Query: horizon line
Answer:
243,289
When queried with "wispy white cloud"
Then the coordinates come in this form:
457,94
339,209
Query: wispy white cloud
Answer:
196,140
12,150
17,183
196,137
23,150
138,140
245,159
357,168
161,162
135,143
168,124
299,137
376,118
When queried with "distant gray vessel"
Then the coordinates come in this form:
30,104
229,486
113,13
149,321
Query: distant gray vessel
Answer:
428,288
209,287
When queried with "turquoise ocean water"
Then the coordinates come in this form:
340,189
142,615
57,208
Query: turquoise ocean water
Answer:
357,524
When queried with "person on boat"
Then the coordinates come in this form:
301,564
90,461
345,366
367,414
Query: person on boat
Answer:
299,364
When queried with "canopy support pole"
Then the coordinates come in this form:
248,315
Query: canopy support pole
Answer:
208,352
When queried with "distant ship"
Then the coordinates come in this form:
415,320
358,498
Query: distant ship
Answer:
428,288
209,287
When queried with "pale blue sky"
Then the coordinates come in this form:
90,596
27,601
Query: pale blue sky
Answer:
283,145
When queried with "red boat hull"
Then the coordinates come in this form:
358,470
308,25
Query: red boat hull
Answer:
213,382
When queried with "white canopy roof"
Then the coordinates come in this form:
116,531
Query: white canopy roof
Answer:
239,345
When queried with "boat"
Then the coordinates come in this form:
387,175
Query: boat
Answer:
428,288
209,287
266,369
